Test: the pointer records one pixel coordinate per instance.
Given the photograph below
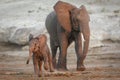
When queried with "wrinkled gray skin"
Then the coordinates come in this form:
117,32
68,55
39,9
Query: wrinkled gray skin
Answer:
61,39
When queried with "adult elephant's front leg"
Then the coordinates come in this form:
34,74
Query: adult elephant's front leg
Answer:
62,62
54,51
79,52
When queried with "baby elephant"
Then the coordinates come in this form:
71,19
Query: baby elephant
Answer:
38,48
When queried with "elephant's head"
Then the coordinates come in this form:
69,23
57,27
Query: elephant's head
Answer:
71,17
34,46
42,40
79,18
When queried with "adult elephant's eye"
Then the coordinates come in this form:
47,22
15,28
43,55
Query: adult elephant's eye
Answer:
76,22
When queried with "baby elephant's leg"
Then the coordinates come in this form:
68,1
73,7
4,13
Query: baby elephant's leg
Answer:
35,63
50,63
46,66
49,59
40,68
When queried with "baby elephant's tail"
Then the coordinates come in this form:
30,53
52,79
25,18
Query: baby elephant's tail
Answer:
27,61
30,37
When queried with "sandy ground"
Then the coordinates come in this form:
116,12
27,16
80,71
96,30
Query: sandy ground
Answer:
102,63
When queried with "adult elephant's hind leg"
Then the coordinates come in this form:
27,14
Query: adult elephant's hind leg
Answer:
54,51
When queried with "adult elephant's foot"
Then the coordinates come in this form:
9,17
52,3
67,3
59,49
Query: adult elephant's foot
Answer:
54,64
61,68
81,68
51,69
61,65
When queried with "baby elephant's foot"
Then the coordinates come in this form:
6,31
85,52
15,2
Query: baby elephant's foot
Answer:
40,75
46,66
27,62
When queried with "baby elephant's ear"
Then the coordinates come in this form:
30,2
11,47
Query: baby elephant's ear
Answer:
62,10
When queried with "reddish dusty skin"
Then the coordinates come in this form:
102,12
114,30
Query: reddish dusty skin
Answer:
40,51
65,25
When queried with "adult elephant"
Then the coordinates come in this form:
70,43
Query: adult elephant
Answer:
65,25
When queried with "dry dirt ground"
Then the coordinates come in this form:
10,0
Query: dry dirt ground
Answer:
102,63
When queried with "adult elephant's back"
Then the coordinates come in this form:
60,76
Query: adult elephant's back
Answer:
51,26
51,22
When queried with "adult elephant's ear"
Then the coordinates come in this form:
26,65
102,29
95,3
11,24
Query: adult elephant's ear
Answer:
62,10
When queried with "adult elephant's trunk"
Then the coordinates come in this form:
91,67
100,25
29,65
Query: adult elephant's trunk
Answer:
86,35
